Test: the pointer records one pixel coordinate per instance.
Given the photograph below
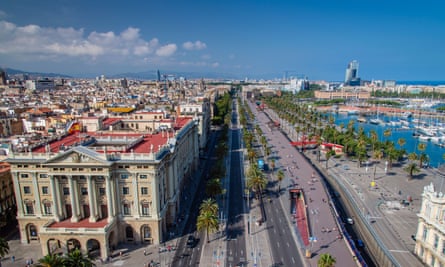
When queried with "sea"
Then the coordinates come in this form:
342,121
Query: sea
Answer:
434,151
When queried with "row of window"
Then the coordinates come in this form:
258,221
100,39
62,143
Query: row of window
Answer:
123,176
83,190
47,209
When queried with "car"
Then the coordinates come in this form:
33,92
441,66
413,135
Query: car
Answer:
350,221
191,241
360,243
345,167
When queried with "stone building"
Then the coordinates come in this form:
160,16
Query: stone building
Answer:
430,236
95,190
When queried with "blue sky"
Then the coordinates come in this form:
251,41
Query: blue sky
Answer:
400,40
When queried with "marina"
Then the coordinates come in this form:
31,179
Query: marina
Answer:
428,131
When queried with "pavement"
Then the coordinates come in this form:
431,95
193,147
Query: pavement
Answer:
378,191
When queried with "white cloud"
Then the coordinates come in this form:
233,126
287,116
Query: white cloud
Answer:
166,50
198,45
215,64
33,40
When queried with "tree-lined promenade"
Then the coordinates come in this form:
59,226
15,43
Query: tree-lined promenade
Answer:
311,124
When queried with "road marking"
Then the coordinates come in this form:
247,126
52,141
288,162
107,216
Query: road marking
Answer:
401,251
278,244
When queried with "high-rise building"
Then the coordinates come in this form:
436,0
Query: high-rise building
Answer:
352,72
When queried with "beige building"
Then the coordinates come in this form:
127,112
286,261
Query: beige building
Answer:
430,236
95,190
342,94
7,198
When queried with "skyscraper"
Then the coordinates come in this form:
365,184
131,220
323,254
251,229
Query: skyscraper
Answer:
352,72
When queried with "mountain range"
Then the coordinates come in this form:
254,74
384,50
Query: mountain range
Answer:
146,75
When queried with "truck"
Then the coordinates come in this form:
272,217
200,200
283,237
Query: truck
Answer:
261,164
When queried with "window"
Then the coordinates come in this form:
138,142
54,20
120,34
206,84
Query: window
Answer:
145,209
125,190
47,208
27,190
143,176
43,175
84,191
443,247
425,234
102,191
29,209
436,241
45,190
66,191
124,176
24,175
126,209
144,191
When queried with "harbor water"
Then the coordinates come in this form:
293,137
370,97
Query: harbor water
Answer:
434,151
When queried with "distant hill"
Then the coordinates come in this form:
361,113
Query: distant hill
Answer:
12,72
152,75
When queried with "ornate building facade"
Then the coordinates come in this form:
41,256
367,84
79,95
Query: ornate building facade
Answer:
430,236
94,190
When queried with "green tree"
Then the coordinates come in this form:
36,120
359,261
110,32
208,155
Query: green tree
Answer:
411,168
280,177
256,180
213,187
4,247
328,155
326,260
76,259
209,205
207,221
53,260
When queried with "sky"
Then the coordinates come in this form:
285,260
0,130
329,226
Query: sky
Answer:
391,39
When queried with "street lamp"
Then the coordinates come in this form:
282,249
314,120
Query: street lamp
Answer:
386,167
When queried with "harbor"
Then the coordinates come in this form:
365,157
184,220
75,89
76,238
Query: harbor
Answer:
429,131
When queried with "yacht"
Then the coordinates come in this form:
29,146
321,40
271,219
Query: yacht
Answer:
376,121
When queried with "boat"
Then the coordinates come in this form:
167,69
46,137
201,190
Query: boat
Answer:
362,119
376,121
407,114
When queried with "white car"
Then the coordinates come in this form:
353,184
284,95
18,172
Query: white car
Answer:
350,221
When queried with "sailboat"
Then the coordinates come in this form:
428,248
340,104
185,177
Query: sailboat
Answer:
376,120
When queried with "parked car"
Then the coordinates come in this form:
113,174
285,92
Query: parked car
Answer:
360,243
350,221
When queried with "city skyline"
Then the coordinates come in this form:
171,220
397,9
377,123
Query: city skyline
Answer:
391,40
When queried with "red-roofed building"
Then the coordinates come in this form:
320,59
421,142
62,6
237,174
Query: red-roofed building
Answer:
97,189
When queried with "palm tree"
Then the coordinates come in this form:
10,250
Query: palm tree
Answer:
207,221
53,260
76,259
328,156
401,141
326,260
280,177
256,180
387,133
209,205
374,138
213,187
422,157
4,247
411,169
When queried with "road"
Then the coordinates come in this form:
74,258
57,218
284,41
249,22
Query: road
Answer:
235,232
185,256
320,215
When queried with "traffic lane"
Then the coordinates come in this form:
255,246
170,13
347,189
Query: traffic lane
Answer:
316,191
236,243
282,244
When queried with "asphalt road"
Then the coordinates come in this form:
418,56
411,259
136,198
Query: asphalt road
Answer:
235,232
